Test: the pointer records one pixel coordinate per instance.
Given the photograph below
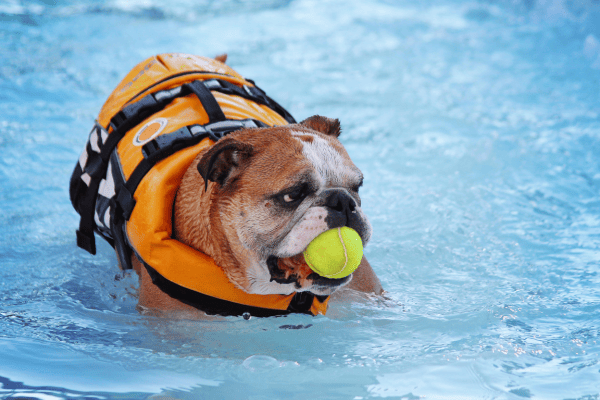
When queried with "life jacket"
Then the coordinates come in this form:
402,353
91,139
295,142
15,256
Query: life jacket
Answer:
166,110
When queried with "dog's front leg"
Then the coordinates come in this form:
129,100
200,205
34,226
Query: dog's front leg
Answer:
365,280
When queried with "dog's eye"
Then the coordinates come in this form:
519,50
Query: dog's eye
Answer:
294,195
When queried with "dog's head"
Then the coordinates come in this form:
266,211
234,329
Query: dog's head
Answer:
257,198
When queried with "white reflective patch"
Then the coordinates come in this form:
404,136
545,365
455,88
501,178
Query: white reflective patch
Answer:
138,140
107,218
86,178
83,159
107,186
104,135
167,93
106,189
94,140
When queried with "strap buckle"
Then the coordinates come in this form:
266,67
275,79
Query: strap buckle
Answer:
212,84
169,143
218,130
139,109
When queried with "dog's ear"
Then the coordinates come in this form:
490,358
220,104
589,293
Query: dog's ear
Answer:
328,126
222,159
221,58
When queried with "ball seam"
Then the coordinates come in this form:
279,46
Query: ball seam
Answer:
345,254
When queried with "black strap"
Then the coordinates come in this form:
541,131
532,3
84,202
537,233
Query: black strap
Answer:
77,187
208,304
301,302
117,222
120,242
253,93
179,75
85,233
167,144
212,108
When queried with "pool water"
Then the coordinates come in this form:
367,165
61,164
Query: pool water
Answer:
477,127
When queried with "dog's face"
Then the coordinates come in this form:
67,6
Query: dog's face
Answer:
271,192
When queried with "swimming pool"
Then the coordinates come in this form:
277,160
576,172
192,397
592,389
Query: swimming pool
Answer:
476,124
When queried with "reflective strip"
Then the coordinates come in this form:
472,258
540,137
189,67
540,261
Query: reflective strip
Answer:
107,186
104,134
158,96
107,218
94,140
83,159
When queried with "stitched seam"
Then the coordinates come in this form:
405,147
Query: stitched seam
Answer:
345,255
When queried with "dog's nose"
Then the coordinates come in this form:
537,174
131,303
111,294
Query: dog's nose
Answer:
341,206
340,201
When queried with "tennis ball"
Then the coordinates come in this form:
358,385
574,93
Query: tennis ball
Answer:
335,253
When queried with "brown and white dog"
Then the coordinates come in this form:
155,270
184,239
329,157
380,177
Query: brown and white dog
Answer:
256,199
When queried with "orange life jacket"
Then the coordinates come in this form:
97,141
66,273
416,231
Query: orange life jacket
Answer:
153,125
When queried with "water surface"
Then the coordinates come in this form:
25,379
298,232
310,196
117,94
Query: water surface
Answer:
476,124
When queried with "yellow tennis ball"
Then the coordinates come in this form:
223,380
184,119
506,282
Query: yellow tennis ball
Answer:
336,253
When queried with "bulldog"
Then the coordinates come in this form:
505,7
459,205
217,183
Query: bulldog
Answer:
256,199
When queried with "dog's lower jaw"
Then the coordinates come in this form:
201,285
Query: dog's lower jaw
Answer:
260,282
294,270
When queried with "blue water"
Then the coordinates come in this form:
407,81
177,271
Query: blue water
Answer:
477,127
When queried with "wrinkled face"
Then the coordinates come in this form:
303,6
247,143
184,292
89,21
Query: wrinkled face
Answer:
282,194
